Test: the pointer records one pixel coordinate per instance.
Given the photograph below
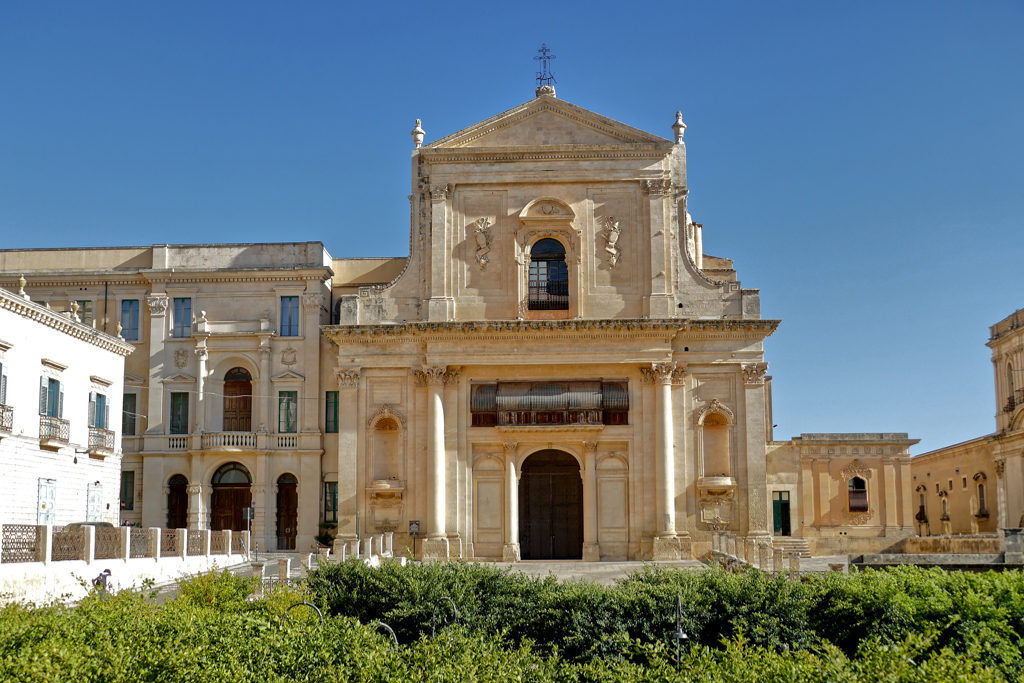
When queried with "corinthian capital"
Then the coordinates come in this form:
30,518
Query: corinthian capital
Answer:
312,302
754,373
659,186
157,304
663,372
432,375
348,378
440,192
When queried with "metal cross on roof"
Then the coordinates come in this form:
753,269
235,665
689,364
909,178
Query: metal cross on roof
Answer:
544,76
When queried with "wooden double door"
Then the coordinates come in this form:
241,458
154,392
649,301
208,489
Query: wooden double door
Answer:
226,506
551,507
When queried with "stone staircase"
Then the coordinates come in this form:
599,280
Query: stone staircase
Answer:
791,544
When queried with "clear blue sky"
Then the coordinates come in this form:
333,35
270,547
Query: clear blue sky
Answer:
862,162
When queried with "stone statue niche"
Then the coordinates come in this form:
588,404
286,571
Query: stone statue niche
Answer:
717,461
386,450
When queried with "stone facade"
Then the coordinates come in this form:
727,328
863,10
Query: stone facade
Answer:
556,370
978,486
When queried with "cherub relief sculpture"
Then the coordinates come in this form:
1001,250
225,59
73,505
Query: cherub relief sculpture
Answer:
483,242
611,235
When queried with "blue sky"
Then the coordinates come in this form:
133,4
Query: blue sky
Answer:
862,162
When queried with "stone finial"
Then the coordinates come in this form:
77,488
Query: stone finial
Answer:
74,312
119,328
545,90
679,127
417,134
21,287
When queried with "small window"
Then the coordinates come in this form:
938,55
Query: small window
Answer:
127,490
936,487
950,487
331,417
182,318
179,412
287,412
982,503
965,483
128,409
858,495
130,319
330,501
289,316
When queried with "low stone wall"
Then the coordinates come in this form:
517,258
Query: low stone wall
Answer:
951,545
41,564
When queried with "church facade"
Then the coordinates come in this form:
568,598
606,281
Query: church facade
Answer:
556,371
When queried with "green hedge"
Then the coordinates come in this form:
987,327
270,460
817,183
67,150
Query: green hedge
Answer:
212,632
965,612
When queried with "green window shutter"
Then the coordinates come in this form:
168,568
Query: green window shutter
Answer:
44,394
331,418
106,413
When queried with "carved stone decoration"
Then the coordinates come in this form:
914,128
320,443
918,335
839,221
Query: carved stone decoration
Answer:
440,192
663,372
312,302
348,378
754,373
679,128
451,377
679,375
417,134
289,356
157,304
202,353
385,411
855,469
511,447
180,358
716,406
1000,464
716,513
527,239
611,234
590,446
657,187
482,235
646,375
856,518
980,477
193,489
432,375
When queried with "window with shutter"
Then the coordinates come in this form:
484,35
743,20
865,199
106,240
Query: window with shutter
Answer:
92,409
44,395
128,415
3,384
60,400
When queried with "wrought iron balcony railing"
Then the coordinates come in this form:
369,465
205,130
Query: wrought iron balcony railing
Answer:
54,429
101,439
6,418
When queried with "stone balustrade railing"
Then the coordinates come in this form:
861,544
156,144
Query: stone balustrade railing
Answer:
728,548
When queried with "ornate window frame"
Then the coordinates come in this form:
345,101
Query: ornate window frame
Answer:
549,217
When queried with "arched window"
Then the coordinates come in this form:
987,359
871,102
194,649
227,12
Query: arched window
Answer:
982,503
858,493
237,400
1012,400
549,277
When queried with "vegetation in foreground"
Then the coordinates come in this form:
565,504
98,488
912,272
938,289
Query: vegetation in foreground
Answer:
898,625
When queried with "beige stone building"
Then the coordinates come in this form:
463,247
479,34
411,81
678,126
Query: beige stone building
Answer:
978,486
557,370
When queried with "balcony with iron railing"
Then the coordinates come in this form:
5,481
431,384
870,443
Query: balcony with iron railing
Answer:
101,440
54,430
548,295
1016,399
6,418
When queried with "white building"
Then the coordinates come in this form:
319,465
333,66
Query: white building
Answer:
60,444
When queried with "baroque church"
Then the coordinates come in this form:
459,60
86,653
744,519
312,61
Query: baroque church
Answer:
556,371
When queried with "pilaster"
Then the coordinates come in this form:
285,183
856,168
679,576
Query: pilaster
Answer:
511,550
591,549
757,472
348,444
157,334
312,302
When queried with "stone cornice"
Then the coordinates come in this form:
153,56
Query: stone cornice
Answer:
61,323
578,153
505,329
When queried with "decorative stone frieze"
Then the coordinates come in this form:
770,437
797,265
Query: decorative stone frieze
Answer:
157,304
855,469
656,187
384,412
312,303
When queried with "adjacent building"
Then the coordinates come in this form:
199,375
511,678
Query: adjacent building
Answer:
60,442
557,369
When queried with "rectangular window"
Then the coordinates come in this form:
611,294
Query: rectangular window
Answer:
551,402
130,319
98,410
179,412
330,501
85,313
289,316
331,419
127,490
128,406
51,397
965,483
182,318
950,489
287,412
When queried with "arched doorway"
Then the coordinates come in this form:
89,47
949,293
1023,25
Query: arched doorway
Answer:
177,502
287,511
231,495
551,507
237,400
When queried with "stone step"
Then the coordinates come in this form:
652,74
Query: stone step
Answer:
792,544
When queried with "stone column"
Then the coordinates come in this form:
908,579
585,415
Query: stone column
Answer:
435,545
657,193
263,405
157,333
999,461
203,355
441,305
312,303
348,444
757,464
666,546
197,510
511,551
891,500
591,549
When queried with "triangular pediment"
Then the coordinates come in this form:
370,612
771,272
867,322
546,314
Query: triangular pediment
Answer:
179,377
129,378
288,376
548,121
